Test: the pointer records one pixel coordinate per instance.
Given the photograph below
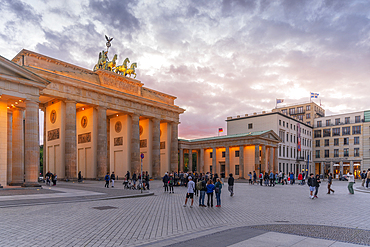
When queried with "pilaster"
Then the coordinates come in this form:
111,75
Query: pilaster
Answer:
227,161
241,161
181,159
190,164
102,146
201,160
174,147
257,157
214,160
135,144
70,140
156,159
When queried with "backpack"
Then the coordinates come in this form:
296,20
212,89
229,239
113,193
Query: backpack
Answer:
199,185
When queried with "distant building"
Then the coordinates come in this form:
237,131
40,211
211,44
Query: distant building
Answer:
295,150
305,112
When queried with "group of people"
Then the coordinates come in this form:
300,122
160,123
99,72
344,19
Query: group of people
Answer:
51,176
270,179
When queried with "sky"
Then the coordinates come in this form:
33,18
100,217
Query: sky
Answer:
219,58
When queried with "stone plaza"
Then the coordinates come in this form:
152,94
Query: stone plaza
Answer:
254,216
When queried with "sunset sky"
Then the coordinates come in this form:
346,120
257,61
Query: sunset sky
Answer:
219,58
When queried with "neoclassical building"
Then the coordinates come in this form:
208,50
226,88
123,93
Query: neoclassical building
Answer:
94,122
238,154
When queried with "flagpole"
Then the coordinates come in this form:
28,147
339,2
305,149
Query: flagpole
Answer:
275,103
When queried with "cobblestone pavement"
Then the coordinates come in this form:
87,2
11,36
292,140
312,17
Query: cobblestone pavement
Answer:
162,220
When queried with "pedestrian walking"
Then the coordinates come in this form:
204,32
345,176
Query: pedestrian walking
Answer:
171,183
195,180
218,187
202,191
266,179
107,178
254,177
330,181
261,178
230,182
351,181
272,178
54,179
367,178
291,178
127,175
210,189
134,178
79,177
147,179
317,185
279,177
112,178
165,180
300,178
250,178
283,178
311,183
363,177
190,192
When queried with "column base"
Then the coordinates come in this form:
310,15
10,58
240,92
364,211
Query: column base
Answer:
30,184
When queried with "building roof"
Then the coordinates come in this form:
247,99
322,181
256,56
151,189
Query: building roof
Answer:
256,133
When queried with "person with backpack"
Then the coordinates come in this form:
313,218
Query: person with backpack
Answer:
107,178
218,187
202,187
230,182
171,183
210,189
165,180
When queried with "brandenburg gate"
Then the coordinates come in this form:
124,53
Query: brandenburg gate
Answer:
94,121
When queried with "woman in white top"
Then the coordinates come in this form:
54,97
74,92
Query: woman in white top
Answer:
351,181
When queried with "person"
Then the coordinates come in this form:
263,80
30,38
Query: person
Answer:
291,178
190,192
107,178
202,192
280,176
230,182
303,178
283,178
250,178
254,177
300,178
195,180
134,178
266,178
54,179
215,178
128,175
210,189
272,178
147,178
311,183
165,180
47,177
222,177
363,177
351,181
79,177
112,178
330,181
171,183
317,185
367,178
218,187
261,178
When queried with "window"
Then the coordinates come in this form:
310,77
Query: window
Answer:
291,126
279,122
300,109
237,153
283,123
337,121
210,155
357,119
347,120
309,123
292,111
336,131
328,122
250,126
346,130
294,127
319,124
308,115
326,132
317,133
356,140
326,142
281,135
326,153
346,152
336,142
357,152
308,108
284,111
317,153
280,151
317,143
291,138
287,137
300,117
356,130
223,154
291,152
283,151
346,141
336,153
236,169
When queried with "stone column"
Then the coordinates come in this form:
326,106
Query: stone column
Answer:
9,147
241,162
156,152
322,168
102,157
351,166
135,144
201,160
174,147
17,148
257,158
227,161
341,167
271,159
263,157
3,142
331,167
181,159
276,160
31,145
190,164
70,140
214,161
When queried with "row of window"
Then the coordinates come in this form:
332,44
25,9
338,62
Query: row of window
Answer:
356,141
356,153
294,153
347,120
292,111
223,155
304,131
336,131
293,139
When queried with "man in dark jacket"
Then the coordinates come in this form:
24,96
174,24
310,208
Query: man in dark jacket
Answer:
165,182
230,182
202,193
107,178
312,184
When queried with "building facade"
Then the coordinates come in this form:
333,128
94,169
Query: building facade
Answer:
94,121
238,154
305,112
295,149
342,143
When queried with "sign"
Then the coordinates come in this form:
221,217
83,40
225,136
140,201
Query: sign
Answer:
142,156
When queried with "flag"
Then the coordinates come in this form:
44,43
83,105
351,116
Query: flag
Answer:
279,101
220,130
314,95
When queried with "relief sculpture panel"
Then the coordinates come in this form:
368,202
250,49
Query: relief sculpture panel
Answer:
84,138
53,134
